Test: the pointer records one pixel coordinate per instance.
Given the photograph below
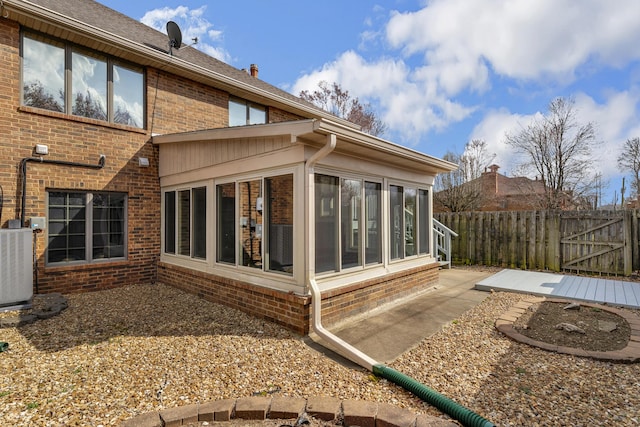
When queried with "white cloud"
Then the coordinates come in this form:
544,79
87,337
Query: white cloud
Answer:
409,103
521,39
492,129
454,53
192,24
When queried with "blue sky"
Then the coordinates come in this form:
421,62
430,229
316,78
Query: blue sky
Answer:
439,72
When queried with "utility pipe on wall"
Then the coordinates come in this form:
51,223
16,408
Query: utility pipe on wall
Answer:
23,168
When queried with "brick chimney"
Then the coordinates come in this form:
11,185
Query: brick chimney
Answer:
254,70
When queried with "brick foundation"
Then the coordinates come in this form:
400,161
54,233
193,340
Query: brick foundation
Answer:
288,310
293,311
361,297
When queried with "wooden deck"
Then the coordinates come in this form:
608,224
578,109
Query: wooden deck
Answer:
612,292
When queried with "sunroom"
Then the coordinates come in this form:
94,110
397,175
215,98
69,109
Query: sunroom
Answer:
252,214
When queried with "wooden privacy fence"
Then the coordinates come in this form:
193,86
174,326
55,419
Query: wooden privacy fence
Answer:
605,242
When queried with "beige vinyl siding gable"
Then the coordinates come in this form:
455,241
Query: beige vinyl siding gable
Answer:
187,156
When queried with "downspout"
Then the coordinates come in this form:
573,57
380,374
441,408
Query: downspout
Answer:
448,406
316,297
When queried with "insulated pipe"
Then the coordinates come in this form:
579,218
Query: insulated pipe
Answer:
23,167
446,405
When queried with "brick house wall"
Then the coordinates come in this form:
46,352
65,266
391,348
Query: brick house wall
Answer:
503,193
173,104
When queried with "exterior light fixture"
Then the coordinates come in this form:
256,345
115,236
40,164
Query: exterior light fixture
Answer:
41,149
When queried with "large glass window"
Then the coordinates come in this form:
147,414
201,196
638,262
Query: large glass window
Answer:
243,113
348,234
326,212
60,77
185,222
279,220
396,222
264,221
408,221
199,240
251,223
410,217
373,215
226,224
43,74
86,226
89,86
170,222
425,231
351,248
128,96
108,225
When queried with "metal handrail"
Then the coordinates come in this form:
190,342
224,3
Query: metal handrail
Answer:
442,239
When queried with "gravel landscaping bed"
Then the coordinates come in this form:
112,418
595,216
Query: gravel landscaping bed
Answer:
115,354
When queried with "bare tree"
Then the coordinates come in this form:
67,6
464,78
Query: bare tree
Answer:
335,100
87,106
557,148
475,159
461,190
629,160
35,95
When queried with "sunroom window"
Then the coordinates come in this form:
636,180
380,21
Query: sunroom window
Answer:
59,76
261,210
348,233
408,222
185,222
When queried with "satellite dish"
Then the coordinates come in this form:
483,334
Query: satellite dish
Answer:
175,36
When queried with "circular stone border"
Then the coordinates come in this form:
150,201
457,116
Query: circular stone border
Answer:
629,354
348,412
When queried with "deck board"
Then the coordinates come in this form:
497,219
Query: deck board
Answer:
615,292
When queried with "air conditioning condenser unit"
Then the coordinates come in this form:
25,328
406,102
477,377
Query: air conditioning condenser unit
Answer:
16,266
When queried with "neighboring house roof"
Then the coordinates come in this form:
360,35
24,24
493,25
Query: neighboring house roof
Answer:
96,26
502,193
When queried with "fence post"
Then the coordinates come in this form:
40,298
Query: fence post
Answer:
555,257
627,220
635,240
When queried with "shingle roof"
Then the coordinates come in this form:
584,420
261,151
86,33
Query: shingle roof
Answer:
103,18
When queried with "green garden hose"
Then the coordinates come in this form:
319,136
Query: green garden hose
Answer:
446,405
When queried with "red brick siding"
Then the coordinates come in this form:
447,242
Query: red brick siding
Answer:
293,311
277,115
288,310
363,296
